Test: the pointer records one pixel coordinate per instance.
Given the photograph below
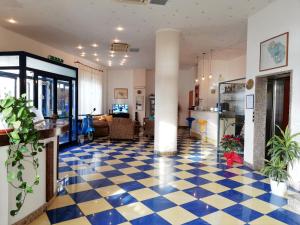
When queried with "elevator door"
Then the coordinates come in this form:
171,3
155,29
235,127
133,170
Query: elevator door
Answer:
278,103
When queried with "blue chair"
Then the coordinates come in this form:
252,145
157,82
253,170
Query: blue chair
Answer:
190,122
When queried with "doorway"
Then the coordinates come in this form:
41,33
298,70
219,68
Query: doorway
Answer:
278,106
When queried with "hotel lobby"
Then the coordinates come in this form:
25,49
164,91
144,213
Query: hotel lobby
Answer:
150,112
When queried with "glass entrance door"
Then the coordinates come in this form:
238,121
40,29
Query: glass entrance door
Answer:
46,96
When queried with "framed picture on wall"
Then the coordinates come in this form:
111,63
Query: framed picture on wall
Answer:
249,101
121,93
274,52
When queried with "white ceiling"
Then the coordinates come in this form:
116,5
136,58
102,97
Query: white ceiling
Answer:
64,24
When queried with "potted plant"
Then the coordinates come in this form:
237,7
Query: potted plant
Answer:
24,146
283,150
230,145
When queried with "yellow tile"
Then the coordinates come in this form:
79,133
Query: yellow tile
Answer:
242,179
182,184
212,177
78,221
218,201
266,220
184,167
61,164
152,172
136,163
61,201
121,156
210,169
184,161
223,218
143,194
113,162
237,171
41,220
67,174
139,158
93,176
184,175
68,159
130,170
73,188
259,205
251,191
121,179
134,210
177,215
214,187
104,168
94,206
179,197
110,190
149,182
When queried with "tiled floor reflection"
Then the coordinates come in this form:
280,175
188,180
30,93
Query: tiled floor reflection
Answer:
125,183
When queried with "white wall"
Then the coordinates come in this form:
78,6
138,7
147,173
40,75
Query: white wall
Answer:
228,69
130,79
279,17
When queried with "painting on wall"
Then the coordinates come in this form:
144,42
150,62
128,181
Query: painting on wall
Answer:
121,93
274,52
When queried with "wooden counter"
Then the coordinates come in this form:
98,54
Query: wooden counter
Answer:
43,193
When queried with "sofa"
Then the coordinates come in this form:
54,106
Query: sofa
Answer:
121,129
101,125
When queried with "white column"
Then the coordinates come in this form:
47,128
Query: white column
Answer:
166,91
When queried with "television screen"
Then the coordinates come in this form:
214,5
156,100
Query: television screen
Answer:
119,108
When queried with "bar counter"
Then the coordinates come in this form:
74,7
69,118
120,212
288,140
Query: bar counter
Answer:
35,203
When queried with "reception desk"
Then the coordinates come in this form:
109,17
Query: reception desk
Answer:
43,193
212,125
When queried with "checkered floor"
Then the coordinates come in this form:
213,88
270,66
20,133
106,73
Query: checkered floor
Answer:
125,183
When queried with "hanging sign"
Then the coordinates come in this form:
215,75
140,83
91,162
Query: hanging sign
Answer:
55,59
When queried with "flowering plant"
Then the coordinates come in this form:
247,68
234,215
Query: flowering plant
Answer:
230,143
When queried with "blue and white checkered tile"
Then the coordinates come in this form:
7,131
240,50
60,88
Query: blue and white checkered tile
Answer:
126,183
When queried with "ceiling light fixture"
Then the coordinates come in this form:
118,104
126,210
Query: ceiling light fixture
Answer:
12,21
95,54
97,59
112,52
95,45
116,40
203,76
210,70
126,56
112,55
79,47
119,28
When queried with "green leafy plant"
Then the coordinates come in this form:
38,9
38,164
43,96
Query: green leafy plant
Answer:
24,146
283,151
230,143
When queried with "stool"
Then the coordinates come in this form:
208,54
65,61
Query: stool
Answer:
203,128
190,121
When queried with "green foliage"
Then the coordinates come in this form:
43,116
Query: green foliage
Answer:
283,151
16,113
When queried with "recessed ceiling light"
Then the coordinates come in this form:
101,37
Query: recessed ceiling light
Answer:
12,20
116,40
95,54
112,55
79,47
126,56
97,59
95,45
119,28
112,52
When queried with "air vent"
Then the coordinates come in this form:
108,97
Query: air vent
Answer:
134,49
134,1
119,47
158,2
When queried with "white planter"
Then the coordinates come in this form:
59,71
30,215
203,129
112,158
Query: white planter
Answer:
279,189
